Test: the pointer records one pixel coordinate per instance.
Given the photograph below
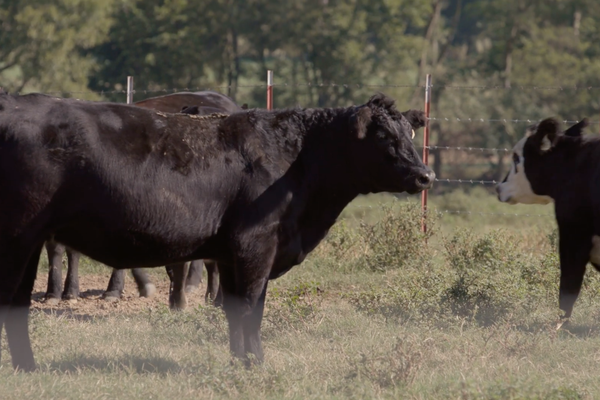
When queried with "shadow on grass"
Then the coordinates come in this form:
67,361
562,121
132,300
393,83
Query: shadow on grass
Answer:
584,331
580,331
69,314
133,364
86,294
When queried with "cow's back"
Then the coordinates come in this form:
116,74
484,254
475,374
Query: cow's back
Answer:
208,101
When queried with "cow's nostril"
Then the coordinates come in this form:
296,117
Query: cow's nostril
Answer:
426,179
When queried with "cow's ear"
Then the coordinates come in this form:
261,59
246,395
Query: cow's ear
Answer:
190,110
360,120
577,129
546,134
416,118
380,100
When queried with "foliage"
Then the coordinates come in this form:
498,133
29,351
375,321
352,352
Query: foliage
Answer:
43,43
483,278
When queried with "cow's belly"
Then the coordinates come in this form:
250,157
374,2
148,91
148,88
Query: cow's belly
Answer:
128,249
143,226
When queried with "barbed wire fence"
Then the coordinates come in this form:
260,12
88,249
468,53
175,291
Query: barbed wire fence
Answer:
128,91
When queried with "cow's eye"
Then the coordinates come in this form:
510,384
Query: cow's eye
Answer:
516,159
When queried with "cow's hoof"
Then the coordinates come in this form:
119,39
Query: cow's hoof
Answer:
148,290
71,298
25,367
52,301
562,323
178,304
191,289
111,299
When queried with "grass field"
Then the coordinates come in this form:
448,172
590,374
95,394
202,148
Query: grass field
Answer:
373,313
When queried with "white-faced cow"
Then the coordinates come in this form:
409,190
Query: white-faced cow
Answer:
255,190
184,277
561,167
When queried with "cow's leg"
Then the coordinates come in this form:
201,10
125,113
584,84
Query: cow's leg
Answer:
212,273
177,299
17,315
252,323
71,291
170,274
194,276
574,255
243,302
145,287
219,297
55,257
116,284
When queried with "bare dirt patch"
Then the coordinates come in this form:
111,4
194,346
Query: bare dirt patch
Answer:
91,303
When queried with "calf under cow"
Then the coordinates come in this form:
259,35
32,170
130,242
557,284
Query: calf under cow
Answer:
549,165
255,190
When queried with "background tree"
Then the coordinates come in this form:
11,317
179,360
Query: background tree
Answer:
43,43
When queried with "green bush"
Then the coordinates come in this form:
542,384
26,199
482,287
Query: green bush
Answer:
487,270
396,240
481,278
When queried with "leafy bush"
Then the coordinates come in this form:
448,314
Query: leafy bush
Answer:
293,308
396,240
481,278
392,367
393,241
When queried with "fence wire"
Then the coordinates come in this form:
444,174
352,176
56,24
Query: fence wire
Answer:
501,120
470,213
326,85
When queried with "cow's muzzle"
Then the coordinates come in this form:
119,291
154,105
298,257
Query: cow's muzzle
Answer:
425,180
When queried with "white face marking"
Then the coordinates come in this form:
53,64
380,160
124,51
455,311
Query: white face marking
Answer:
516,188
595,252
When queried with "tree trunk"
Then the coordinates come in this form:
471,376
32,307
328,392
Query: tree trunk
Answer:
576,22
433,21
508,55
235,71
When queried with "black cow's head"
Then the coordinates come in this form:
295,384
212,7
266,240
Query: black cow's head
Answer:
531,178
194,110
384,155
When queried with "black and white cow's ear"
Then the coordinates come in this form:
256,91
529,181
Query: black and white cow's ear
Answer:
360,120
577,129
545,134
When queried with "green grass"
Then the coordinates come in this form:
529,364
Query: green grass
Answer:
375,312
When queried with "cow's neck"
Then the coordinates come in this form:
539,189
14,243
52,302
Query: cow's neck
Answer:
325,184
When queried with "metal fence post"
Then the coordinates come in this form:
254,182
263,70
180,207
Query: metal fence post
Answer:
426,150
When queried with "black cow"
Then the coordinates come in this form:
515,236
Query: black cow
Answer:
561,167
197,103
256,190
